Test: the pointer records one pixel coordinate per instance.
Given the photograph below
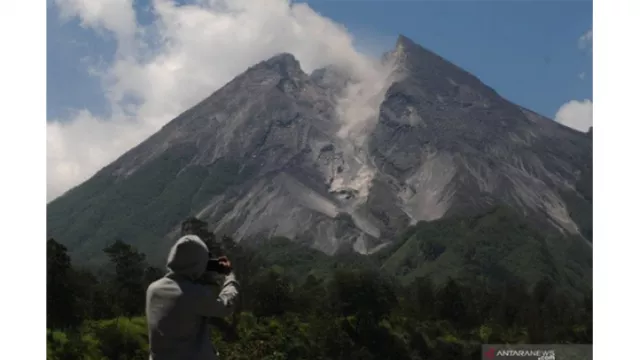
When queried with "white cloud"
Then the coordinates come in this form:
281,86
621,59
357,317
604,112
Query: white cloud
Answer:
586,40
186,53
576,114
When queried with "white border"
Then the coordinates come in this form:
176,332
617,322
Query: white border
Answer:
616,177
23,176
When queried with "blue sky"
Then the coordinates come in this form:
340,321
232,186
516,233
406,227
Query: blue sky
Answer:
526,50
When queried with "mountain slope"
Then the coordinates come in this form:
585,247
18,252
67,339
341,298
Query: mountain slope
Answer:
244,158
334,161
498,246
454,145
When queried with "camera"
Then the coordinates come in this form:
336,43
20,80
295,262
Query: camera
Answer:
214,265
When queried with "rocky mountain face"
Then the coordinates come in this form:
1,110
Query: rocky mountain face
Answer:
449,144
334,161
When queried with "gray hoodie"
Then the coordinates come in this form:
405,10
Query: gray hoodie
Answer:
177,307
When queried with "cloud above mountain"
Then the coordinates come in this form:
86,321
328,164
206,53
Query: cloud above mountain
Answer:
164,66
576,114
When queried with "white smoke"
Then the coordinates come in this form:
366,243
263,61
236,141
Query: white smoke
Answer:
359,105
187,52
358,110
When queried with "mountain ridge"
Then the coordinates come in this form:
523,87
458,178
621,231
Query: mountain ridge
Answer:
278,152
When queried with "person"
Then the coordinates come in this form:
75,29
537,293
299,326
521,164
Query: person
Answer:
178,306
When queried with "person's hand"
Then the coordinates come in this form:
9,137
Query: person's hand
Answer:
225,265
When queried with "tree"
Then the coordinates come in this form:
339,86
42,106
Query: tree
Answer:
450,303
509,311
128,283
311,296
195,226
62,305
272,293
540,320
585,320
422,298
365,294
95,296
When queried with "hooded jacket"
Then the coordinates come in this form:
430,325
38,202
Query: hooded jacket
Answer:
177,307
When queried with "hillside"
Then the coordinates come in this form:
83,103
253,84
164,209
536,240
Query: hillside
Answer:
495,247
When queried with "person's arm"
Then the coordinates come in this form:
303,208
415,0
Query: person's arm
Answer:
222,305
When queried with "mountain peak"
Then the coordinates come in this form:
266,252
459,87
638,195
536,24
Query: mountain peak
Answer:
283,58
430,70
264,155
331,77
404,41
408,46
284,63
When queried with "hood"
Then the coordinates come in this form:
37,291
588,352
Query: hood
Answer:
188,257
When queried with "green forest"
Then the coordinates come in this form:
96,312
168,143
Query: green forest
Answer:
298,303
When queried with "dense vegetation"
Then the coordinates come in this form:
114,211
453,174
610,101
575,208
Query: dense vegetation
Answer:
297,303
498,246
